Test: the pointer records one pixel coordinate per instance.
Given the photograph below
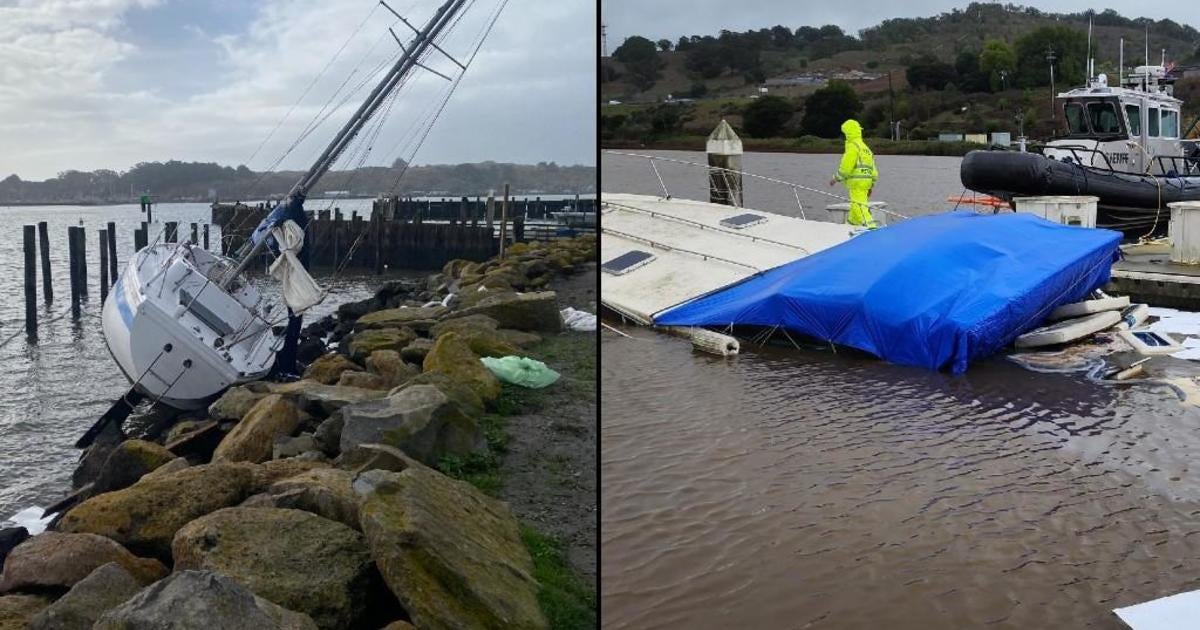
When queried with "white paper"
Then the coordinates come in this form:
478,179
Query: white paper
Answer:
1176,612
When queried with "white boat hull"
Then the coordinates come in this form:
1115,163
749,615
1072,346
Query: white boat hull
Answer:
176,335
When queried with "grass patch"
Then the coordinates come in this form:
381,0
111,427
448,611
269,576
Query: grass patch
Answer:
566,600
481,469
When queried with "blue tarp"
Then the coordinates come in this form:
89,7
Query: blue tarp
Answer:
936,291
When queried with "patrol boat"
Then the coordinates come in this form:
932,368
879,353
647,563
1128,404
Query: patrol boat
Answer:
183,323
1122,144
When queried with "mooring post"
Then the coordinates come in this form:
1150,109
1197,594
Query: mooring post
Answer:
205,237
31,280
172,232
44,249
112,253
724,149
83,283
504,221
195,234
139,238
73,268
491,211
377,219
103,265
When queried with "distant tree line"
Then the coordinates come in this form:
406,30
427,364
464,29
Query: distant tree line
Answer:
200,181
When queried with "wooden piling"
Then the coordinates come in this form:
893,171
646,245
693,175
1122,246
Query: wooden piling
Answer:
81,238
172,232
724,150
73,268
504,221
31,280
112,253
205,237
195,234
103,265
491,211
378,227
44,247
139,238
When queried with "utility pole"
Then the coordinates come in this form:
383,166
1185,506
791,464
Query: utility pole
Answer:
1050,59
892,106
603,40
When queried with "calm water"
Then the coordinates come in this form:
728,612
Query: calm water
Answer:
53,389
787,488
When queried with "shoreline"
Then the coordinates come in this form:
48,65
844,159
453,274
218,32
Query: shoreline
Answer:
359,454
880,146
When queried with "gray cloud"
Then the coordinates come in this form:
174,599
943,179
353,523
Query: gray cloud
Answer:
67,101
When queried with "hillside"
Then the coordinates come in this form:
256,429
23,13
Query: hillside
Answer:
719,76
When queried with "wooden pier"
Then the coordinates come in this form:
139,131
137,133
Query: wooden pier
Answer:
415,234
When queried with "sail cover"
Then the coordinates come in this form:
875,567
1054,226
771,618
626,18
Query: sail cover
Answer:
937,291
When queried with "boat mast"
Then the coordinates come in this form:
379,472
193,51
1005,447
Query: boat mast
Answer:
409,59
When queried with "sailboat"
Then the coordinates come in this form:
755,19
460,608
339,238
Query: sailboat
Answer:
183,324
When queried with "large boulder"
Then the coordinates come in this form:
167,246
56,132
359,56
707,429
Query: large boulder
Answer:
467,400
416,318
416,350
128,462
420,420
10,537
107,587
522,311
328,369
453,357
389,365
16,611
145,516
463,324
94,456
233,404
452,555
296,559
252,439
267,473
55,559
328,436
364,380
316,398
366,457
288,446
361,344
193,600
326,492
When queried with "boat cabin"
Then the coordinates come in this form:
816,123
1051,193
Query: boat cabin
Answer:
1132,128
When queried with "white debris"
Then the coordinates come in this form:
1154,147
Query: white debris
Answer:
579,320
1167,613
32,519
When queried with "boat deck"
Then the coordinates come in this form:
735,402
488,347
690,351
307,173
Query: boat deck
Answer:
1147,274
694,254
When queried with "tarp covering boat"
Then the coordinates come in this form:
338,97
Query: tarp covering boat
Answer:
936,291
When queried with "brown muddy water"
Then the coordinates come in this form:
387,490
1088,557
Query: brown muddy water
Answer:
803,488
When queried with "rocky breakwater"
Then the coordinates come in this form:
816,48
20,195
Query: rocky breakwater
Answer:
315,503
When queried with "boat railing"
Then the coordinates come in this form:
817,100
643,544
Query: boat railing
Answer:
1181,165
888,216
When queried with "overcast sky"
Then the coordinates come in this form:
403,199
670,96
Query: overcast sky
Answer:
87,84
671,19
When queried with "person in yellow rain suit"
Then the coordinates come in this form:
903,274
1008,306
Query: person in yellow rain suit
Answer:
857,172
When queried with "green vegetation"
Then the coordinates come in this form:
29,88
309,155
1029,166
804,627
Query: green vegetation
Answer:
482,469
828,108
566,600
980,69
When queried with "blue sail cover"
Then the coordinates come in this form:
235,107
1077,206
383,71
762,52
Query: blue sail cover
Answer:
936,291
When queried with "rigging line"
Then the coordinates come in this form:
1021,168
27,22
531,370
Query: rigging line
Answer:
314,81
487,31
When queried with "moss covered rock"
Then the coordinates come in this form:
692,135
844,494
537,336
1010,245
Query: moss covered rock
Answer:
416,350
16,611
329,368
128,462
252,439
389,365
364,342
233,404
364,380
107,587
145,516
537,312
420,420
400,317
452,356
56,559
452,555
293,558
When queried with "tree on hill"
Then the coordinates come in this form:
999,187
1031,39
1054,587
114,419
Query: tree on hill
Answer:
640,57
1070,51
828,108
664,45
705,58
927,73
997,61
767,116
970,77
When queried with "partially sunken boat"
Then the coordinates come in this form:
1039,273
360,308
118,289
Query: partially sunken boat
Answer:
183,324
1123,144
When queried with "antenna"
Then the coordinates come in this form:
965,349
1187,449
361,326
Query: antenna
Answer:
603,40
1121,65
1088,79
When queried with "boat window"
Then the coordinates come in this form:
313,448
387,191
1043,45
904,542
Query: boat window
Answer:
1152,122
1170,123
1076,122
1134,114
1103,117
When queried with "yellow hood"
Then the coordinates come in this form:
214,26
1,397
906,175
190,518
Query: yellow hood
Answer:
852,130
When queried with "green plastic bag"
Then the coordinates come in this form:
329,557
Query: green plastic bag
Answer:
521,371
